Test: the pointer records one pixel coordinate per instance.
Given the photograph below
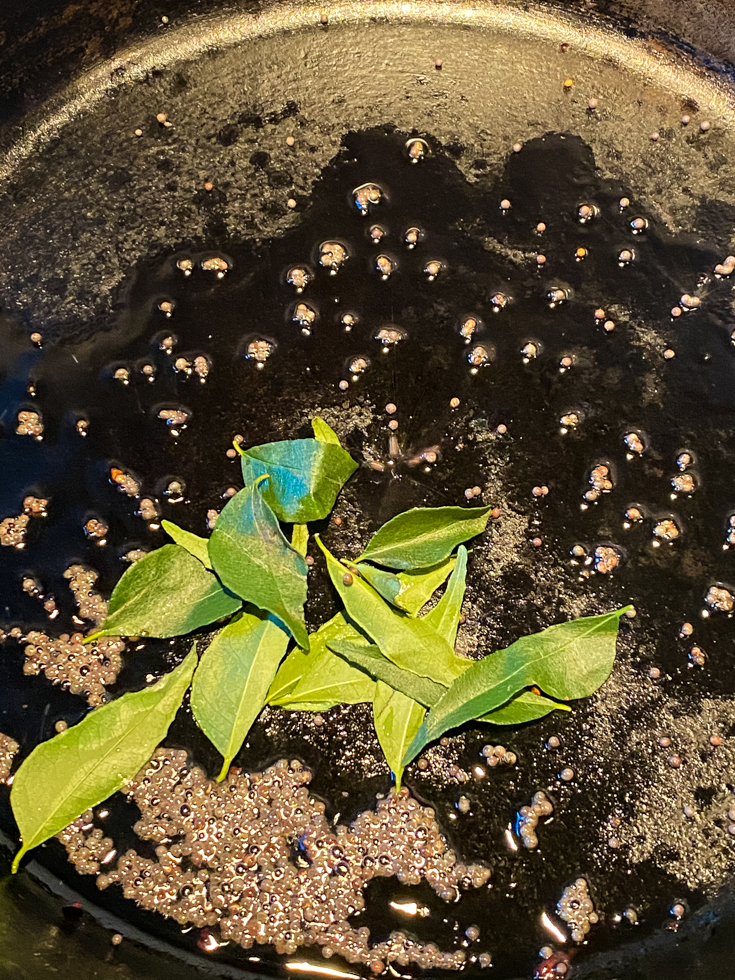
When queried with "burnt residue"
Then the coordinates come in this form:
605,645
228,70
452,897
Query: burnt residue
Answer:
623,788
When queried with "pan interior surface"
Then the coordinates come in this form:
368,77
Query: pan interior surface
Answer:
243,139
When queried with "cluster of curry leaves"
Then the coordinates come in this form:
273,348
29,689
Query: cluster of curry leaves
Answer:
379,649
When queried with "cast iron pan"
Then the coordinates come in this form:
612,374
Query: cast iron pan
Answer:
95,220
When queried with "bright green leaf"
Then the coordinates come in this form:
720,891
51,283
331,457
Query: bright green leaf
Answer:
305,476
526,707
329,677
166,593
445,615
324,432
85,764
567,661
424,536
368,657
192,542
397,719
408,642
253,558
418,587
314,706
289,674
300,539
386,584
232,680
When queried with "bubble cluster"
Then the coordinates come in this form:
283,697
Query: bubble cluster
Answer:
607,559
497,754
666,530
332,256
720,599
600,480
305,316
390,336
30,424
633,443
528,818
126,482
216,264
365,196
577,909
299,278
256,858
259,350
81,669
13,531
9,748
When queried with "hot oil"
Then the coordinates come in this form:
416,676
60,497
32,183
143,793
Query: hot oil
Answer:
483,350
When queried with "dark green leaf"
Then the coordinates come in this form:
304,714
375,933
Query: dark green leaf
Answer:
232,681
253,558
305,476
329,677
424,536
167,593
192,542
85,764
408,642
527,706
445,615
567,661
368,657
324,432
397,719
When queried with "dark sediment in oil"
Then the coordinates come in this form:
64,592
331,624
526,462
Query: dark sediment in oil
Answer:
623,787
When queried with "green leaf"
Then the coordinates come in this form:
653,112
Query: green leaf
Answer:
408,642
526,707
445,615
309,705
419,586
329,677
305,476
289,674
232,680
253,558
300,538
192,542
166,593
386,584
567,661
397,719
324,432
424,536
368,657
85,764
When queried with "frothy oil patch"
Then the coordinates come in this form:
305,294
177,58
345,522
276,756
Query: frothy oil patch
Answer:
9,748
255,858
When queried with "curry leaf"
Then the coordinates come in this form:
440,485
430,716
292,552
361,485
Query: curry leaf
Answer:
300,539
418,587
324,432
192,542
329,677
527,706
397,719
369,658
386,584
567,661
424,536
305,476
232,680
253,558
310,705
445,615
289,674
166,593
408,642
85,764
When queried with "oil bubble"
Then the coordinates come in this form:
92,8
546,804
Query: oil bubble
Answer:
666,529
412,236
257,349
185,265
216,264
390,335
299,277
719,598
377,233
498,301
626,256
332,255
433,268
417,149
557,295
480,356
305,316
638,225
366,196
634,443
684,483
385,265
468,327
586,212
357,366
